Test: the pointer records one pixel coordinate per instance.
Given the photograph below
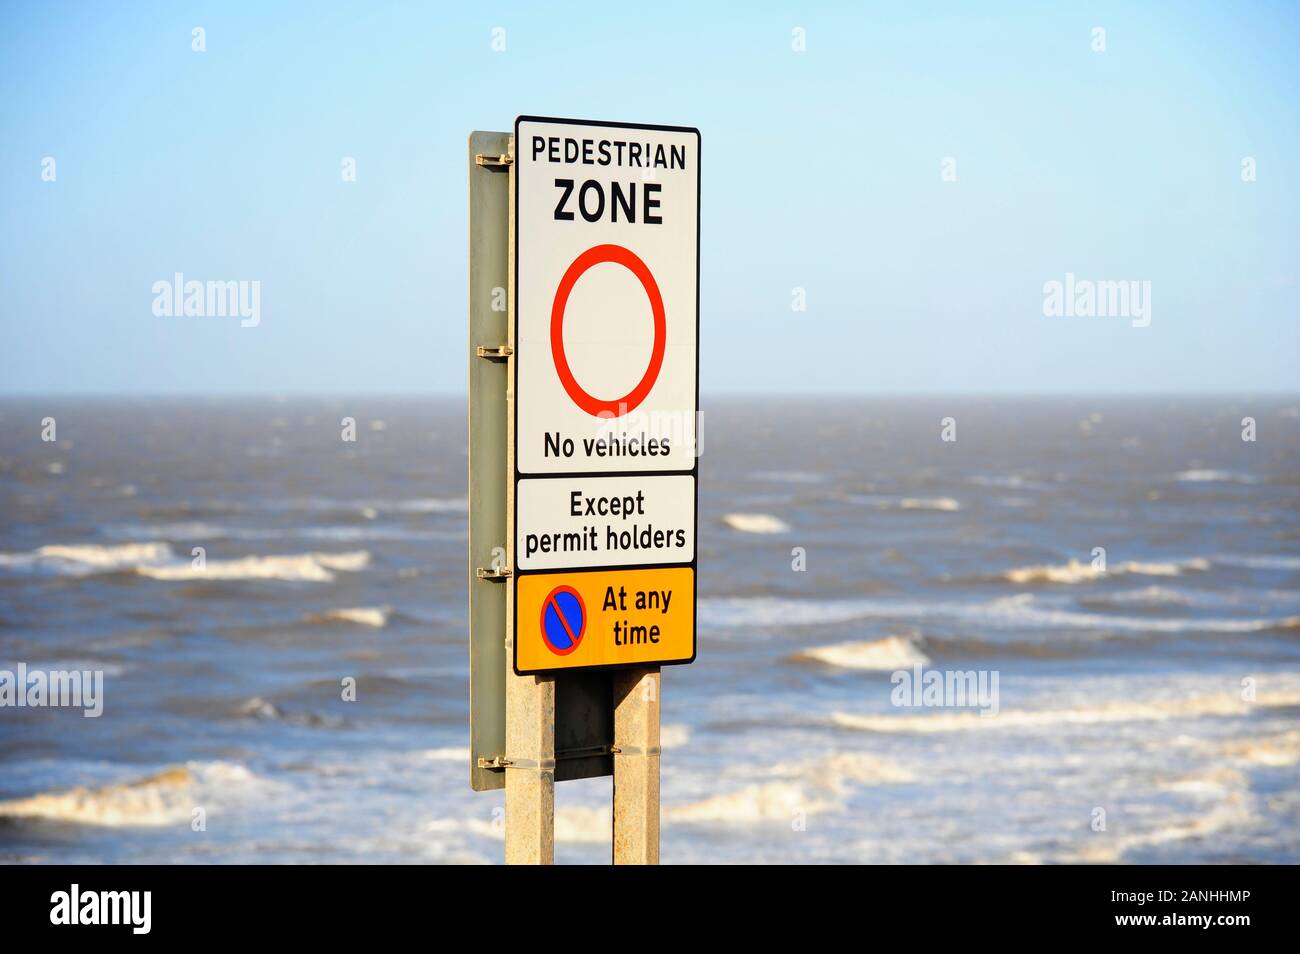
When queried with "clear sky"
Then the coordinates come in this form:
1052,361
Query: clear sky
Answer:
822,170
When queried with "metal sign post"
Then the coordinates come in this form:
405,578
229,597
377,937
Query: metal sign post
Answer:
584,382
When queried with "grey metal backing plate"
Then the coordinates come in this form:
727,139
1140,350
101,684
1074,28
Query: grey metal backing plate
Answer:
584,713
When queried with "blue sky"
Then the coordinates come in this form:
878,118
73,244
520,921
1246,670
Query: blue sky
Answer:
822,171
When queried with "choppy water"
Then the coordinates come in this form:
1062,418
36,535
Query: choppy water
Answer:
1120,691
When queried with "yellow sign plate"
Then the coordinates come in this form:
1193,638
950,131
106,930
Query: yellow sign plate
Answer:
577,620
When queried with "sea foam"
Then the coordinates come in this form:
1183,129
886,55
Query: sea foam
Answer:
1222,704
88,558
1207,476
1078,572
163,798
156,560
301,567
812,787
373,616
884,655
755,523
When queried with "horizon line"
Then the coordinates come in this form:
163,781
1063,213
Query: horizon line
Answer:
723,394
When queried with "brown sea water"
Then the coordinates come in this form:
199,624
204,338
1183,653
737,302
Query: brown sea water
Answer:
1164,692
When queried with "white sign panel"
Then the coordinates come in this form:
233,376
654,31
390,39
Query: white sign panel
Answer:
606,297
605,521
606,381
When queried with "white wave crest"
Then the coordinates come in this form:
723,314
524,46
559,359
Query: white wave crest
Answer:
790,476
1020,611
674,736
163,798
1225,801
449,753
900,504
881,655
755,523
581,824
1005,481
928,503
157,561
1078,572
1265,562
199,531
765,801
301,567
422,505
1276,750
573,823
1222,704
85,559
812,787
1207,476
374,616
259,708
1152,596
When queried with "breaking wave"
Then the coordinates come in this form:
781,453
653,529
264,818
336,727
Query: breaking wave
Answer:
86,559
755,523
1277,750
881,655
900,504
790,476
674,736
259,708
1222,704
1078,572
163,798
197,530
1267,562
1021,611
1005,481
301,567
367,509
928,503
1206,476
1225,801
572,823
374,616
812,787
1151,597
449,753
157,561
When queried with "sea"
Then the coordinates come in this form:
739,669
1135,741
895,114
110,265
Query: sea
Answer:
1120,576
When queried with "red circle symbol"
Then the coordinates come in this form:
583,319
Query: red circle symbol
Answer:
597,255
563,620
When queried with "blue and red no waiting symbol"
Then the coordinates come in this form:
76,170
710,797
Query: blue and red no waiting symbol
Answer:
564,620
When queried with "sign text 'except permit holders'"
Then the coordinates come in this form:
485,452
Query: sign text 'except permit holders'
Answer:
605,336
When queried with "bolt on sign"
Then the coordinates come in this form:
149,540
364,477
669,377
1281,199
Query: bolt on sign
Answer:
605,335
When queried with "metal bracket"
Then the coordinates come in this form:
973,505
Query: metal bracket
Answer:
654,750
499,762
494,575
503,161
499,353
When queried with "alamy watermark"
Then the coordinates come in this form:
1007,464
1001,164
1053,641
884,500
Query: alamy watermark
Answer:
179,298
22,688
130,908
923,688
1084,298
